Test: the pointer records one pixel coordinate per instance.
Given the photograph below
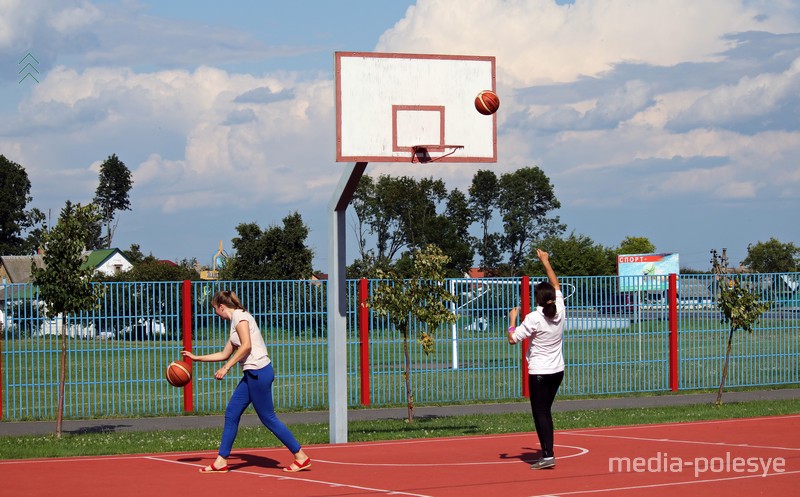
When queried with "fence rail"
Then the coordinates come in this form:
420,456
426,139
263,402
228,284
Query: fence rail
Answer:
614,343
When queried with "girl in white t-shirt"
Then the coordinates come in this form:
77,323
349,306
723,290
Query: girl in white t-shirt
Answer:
545,328
246,347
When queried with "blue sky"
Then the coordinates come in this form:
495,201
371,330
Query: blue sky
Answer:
673,120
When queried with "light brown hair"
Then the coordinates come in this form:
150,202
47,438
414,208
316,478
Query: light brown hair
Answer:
228,299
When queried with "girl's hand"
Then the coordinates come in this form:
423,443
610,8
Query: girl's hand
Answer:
221,372
542,255
186,353
513,313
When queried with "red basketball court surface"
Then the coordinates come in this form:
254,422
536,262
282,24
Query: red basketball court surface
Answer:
754,456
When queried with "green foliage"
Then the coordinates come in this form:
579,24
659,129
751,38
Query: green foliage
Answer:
741,308
277,253
576,255
15,188
408,214
134,253
636,245
525,202
423,298
772,257
64,286
112,193
36,226
483,194
404,215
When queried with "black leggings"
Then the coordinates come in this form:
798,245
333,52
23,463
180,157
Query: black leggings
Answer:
543,389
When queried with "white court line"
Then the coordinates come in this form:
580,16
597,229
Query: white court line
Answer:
687,423
661,485
306,480
691,442
581,451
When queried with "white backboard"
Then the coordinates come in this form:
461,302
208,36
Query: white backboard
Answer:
389,105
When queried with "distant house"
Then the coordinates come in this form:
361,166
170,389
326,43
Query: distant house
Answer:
108,261
17,268
475,272
318,277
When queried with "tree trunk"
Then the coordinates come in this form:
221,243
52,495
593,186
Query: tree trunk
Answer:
725,368
409,395
63,378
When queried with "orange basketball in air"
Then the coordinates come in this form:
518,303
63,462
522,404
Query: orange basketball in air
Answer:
487,102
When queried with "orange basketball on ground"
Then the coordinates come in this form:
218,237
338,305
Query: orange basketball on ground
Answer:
179,373
487,102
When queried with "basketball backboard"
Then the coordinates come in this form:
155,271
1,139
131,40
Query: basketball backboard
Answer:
394,107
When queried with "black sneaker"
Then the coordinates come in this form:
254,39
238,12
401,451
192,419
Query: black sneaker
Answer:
544,463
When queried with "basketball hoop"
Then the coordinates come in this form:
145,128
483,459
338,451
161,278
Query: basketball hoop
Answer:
420,153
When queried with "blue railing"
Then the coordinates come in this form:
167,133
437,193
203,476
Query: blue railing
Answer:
614,344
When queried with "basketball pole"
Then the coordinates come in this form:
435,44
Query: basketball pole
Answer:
337,302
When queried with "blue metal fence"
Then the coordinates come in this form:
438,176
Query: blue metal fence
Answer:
614,343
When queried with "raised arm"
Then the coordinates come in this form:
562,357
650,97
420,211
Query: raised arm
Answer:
551,275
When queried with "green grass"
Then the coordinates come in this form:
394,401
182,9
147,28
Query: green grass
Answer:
86,444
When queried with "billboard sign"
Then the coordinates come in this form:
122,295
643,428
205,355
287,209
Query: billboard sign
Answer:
648,272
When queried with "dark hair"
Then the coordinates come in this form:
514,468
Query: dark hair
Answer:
544,294
227,298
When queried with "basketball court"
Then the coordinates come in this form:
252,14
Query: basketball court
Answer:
754,456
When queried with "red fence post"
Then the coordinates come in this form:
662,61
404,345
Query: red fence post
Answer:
673,332
524,310
1,379
363,335
186,328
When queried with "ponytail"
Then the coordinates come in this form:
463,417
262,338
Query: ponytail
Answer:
545,296
549,309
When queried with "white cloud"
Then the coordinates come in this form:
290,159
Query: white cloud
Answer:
746,99
74,18
538,41
198,105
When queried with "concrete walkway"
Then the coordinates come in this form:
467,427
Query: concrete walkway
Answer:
110,425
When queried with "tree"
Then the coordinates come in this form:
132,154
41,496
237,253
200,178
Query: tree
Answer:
450,232
376,205
402,213
772,257
483,193
525,201
36,226
636,245
453,236
134,254
277,253
423,298
15,188
576,255
63,284
112,193
741,308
